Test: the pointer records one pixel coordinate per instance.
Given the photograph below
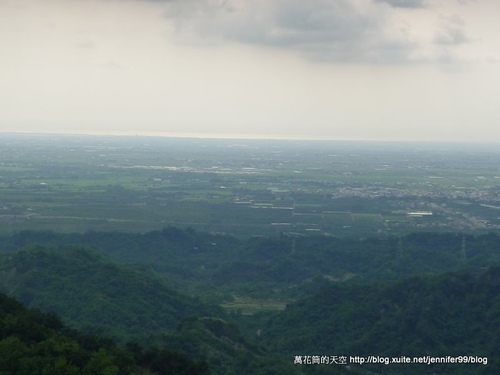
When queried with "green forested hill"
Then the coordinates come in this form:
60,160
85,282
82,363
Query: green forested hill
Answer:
36,343
357,296
447,315
100,297
93,294
223,346
215,265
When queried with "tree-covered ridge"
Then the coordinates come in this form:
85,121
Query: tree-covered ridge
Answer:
344,302
215,266
94,294
100,297
36,343
225,348
448,315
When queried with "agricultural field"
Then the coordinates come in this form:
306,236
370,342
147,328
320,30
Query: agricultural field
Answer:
74,183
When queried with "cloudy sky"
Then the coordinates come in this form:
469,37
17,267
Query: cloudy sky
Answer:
340,69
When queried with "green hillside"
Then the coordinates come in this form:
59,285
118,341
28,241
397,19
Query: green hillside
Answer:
217,267
93,294
36,343
448,315
388,297
97,296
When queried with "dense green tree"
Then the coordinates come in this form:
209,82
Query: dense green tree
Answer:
55,350
452,314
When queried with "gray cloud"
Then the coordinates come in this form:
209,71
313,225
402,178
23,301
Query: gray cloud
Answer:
452,30
302,23
339,30
405,3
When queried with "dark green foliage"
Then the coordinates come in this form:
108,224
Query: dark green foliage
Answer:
356,315
205,264
101,297
32,342
93,294
225,349
453,314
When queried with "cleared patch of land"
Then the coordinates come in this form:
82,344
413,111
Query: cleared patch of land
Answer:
249,306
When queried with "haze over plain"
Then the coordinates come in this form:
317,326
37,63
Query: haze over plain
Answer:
339,69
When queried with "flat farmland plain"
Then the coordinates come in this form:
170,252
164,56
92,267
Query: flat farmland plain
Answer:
74,183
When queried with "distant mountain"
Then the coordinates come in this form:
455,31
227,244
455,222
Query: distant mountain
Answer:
449,315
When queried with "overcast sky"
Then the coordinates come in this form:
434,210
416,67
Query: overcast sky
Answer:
340,69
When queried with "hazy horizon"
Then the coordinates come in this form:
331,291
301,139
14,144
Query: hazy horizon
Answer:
256,137
346,69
